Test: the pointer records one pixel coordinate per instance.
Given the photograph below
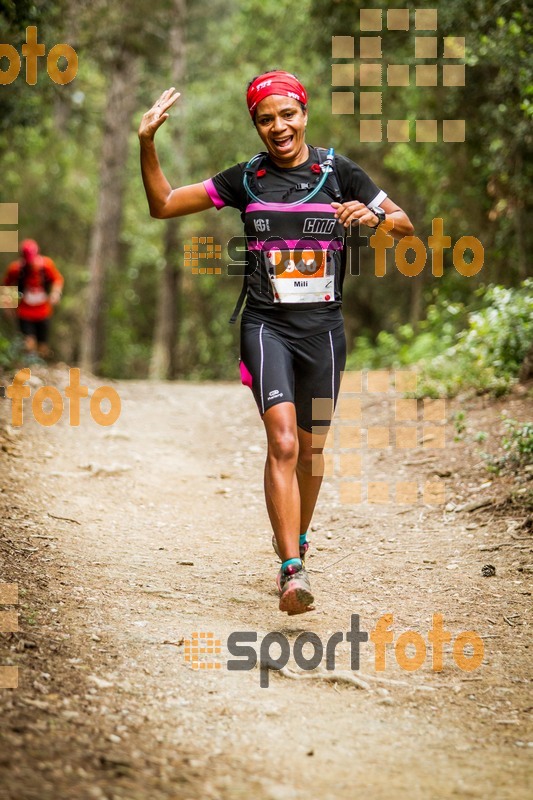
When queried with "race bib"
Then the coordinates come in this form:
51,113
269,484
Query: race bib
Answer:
301,276
34,297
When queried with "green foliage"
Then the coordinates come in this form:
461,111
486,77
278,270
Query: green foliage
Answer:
518,442
13,356
10,352
459,423
407,345
211,347
517,446
500,334
484,355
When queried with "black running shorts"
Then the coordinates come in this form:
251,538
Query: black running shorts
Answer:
36,328
279,369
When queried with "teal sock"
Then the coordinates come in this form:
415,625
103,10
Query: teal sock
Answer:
303,538
296,562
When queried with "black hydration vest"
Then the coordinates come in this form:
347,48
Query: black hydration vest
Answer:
253,187
46,283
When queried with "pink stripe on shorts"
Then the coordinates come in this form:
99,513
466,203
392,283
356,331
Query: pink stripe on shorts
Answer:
246,376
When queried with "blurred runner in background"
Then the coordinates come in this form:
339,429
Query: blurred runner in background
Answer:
39,285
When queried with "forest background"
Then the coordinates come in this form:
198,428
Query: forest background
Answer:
132,309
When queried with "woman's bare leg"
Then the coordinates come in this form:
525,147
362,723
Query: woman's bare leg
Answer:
309,484
282,491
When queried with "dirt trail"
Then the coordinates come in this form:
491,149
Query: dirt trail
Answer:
159,531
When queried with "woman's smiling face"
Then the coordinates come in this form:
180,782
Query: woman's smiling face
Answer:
280,122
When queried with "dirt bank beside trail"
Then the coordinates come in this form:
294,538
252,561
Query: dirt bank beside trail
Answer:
126,541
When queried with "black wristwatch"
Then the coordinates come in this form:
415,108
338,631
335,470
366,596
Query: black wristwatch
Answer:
380,214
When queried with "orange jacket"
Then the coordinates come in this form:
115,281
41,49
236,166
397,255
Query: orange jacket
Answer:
34,304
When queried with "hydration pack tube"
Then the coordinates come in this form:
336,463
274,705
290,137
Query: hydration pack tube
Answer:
326,165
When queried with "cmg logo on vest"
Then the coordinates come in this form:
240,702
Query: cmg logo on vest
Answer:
319,225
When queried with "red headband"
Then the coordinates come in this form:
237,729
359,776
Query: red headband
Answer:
274,83
29,249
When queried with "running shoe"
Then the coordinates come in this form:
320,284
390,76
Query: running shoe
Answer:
303,549
295,595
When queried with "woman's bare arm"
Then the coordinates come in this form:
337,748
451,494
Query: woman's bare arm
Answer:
163,201
397,223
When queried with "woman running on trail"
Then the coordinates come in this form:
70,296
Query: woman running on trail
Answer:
295,200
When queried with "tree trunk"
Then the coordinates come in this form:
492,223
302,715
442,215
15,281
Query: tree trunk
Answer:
415,306
520,221
164,361
521,246
63,94
103,253
526,369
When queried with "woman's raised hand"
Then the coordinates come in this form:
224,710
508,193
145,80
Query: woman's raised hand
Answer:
156,115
